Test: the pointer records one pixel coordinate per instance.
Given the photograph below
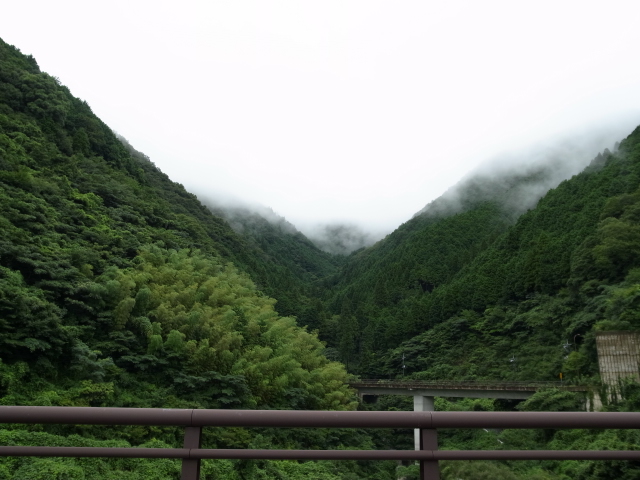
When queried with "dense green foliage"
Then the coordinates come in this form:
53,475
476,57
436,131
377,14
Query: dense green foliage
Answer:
280,243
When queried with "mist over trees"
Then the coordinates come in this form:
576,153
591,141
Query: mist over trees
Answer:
340,238
518,179
255,220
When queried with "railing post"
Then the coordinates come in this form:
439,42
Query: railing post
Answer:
421,404
191,466
429,469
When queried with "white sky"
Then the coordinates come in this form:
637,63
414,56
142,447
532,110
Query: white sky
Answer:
341,110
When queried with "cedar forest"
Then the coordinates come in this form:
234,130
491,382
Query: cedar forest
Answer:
120,288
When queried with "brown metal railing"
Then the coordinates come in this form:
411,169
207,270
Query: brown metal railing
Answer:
428,423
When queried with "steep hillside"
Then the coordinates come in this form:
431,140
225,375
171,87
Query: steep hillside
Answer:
118,287
388,287
280,240
298,262
53,145
478,292
283,262
566,268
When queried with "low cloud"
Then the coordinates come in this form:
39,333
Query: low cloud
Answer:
519,178
341,238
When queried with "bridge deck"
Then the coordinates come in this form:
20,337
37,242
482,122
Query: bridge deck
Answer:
462,385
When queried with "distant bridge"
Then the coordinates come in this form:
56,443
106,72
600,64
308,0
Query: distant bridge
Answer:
424,391
469,389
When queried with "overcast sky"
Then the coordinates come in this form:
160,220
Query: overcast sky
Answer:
341,110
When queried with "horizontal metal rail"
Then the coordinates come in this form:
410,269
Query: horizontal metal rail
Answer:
428,422
312,418
249,454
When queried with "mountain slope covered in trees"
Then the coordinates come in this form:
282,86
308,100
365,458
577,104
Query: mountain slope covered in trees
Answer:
473,276
119,288
281,244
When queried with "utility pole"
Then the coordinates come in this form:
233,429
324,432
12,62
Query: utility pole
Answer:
575,344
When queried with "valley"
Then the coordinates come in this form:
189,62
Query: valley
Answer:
120,288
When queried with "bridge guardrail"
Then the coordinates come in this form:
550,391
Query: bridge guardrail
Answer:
428,423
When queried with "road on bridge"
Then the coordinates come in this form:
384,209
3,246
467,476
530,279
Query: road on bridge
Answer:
482,385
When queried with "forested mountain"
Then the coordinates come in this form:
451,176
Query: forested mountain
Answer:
120,288
470,277
282,261
278,240
388,288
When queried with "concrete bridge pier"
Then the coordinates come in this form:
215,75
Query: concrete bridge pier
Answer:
421,404
424,392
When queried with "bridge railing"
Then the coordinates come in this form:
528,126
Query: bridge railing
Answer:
483,384
428,422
